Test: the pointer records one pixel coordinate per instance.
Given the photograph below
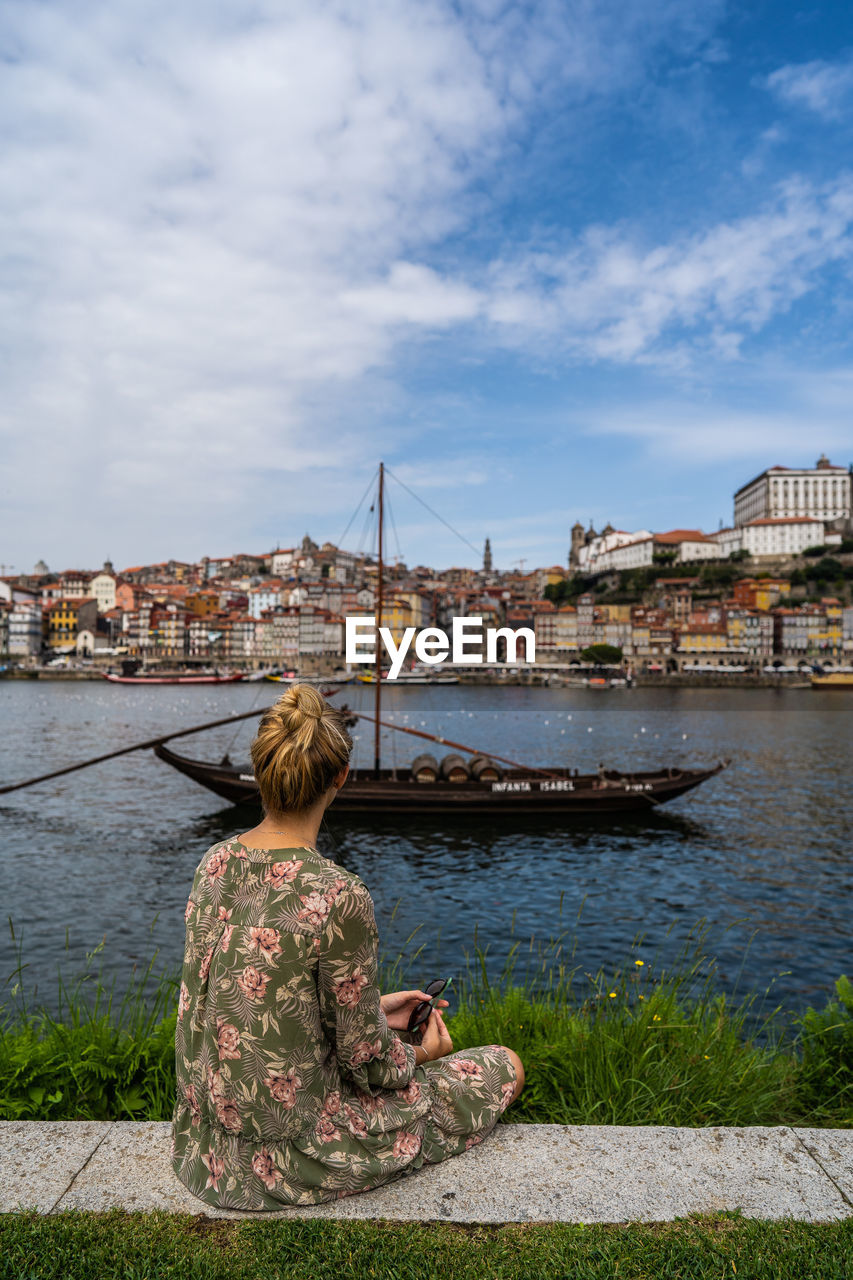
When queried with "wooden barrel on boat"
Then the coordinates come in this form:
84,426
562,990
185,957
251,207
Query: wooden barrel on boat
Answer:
485,770
425,768
454,769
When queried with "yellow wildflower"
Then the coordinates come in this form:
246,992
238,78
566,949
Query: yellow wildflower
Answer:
641,962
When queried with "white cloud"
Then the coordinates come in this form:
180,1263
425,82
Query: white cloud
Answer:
212,219
218,222
610,296
824,87
413,294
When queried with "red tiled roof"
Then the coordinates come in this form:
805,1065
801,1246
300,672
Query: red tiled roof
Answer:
682,535
71,602
830,466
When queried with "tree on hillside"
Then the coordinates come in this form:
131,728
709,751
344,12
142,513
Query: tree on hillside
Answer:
602,653
568,588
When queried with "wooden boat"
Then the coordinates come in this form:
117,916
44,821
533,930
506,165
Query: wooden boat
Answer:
519,791
834,680
173,679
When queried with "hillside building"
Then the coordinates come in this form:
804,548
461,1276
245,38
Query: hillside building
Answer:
823,492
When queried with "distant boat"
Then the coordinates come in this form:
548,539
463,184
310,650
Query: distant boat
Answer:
620,681
833,680
290,677
414,676
177,678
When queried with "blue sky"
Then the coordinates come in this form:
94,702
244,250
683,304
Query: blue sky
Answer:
548,260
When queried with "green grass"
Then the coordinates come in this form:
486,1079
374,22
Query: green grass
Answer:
640,1045
96,1057
645,1046
80,1246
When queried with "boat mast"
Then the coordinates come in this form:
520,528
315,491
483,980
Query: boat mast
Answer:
378,671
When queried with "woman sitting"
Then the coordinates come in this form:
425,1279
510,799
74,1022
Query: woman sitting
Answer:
295,1085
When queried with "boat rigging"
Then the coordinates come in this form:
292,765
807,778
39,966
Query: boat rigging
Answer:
479,786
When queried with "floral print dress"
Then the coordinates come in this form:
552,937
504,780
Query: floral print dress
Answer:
292,1088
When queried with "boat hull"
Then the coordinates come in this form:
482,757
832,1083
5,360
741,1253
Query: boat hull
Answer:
114,679
518,793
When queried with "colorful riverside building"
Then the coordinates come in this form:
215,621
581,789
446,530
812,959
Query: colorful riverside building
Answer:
653,637
699,639
74,584
66,617
750,632
267,595
397,615
155,630
103,587
812,630
760,593
200,604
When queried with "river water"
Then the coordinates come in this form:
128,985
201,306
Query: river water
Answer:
761,854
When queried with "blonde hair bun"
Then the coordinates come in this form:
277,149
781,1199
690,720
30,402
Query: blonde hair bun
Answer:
301,746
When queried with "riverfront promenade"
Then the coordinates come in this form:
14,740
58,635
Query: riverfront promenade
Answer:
520,1173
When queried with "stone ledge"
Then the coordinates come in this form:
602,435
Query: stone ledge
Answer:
521,1173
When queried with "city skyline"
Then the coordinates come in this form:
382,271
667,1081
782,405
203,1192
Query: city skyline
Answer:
548,262
819,498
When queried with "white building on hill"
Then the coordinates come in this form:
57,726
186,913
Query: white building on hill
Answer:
616,550
823,492
785,537
597,553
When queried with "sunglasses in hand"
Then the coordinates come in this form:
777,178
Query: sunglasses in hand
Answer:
421,1011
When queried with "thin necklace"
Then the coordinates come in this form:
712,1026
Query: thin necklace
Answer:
274,831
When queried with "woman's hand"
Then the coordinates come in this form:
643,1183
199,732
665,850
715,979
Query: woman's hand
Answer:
398,1007
436,1042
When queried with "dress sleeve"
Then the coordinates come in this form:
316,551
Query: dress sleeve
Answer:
368,1051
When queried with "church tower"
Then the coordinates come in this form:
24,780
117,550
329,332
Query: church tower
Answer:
487,557
577,543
